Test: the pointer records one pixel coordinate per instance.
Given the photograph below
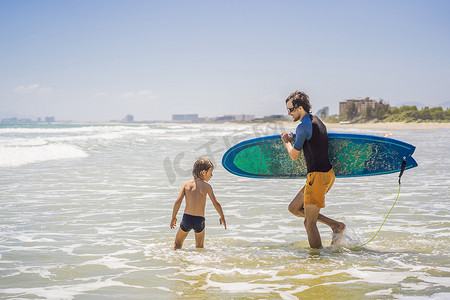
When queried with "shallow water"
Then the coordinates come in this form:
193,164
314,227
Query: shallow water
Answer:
86,212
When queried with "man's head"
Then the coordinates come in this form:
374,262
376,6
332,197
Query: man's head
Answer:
298,105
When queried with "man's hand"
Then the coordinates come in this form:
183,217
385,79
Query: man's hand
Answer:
287,137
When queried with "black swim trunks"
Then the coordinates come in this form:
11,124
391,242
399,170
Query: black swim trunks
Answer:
192,222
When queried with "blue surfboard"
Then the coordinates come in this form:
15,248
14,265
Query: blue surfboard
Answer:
350,155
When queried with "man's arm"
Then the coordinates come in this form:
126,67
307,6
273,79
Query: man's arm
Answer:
217,206
176,208
287,139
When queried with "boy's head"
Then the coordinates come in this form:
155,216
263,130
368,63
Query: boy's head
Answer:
201,168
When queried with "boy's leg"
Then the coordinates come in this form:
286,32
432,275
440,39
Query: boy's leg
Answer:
179,239
311,217
296,207
200,239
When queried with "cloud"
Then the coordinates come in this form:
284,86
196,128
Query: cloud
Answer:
33,89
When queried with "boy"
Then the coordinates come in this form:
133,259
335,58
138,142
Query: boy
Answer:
195,191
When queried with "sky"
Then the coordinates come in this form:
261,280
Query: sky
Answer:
100,60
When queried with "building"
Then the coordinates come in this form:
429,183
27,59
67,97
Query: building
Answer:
128,119
324,112
240,117
276,117
360,105
10,120
185,118
224,119
49,119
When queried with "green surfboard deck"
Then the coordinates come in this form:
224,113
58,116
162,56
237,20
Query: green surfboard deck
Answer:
350,155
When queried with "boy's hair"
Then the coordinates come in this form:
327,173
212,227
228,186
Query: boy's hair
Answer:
202,164
300,99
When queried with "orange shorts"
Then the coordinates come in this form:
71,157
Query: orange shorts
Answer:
317,186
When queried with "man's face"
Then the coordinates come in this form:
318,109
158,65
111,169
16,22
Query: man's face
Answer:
294,112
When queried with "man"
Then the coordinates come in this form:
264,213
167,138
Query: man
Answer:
312,138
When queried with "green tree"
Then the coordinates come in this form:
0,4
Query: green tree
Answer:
370,113
381,110
437,113
352,111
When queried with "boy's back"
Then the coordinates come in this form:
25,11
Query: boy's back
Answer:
195,191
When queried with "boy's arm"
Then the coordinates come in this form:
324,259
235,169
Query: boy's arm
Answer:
217,206
176,208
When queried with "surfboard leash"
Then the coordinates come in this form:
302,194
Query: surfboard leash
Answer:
398,194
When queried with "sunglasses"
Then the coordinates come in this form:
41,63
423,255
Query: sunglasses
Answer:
291,109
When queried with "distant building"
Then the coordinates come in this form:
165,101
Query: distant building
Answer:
240,117
323,113
360,106
185,118
275,117
128,119
225,118
16,120
9,120
233,118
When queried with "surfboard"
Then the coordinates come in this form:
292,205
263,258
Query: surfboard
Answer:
350,155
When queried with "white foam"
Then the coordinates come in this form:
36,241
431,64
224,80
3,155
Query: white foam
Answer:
18,156
32,239
40,136
348,239
110,262
41,271
66,291
380,293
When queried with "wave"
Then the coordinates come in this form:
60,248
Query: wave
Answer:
18,156
62,129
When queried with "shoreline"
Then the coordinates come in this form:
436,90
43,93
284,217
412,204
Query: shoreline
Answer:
375,126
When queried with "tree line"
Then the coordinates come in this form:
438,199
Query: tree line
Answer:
412,114
384,113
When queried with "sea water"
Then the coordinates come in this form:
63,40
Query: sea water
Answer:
85,214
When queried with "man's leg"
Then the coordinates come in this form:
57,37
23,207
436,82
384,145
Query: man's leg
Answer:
200,239
179,239
296,207
311,216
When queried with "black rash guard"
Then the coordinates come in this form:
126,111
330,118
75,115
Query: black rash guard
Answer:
315,148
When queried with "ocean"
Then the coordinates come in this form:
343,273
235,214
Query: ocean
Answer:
85,214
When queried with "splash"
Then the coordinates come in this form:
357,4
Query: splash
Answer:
348,239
